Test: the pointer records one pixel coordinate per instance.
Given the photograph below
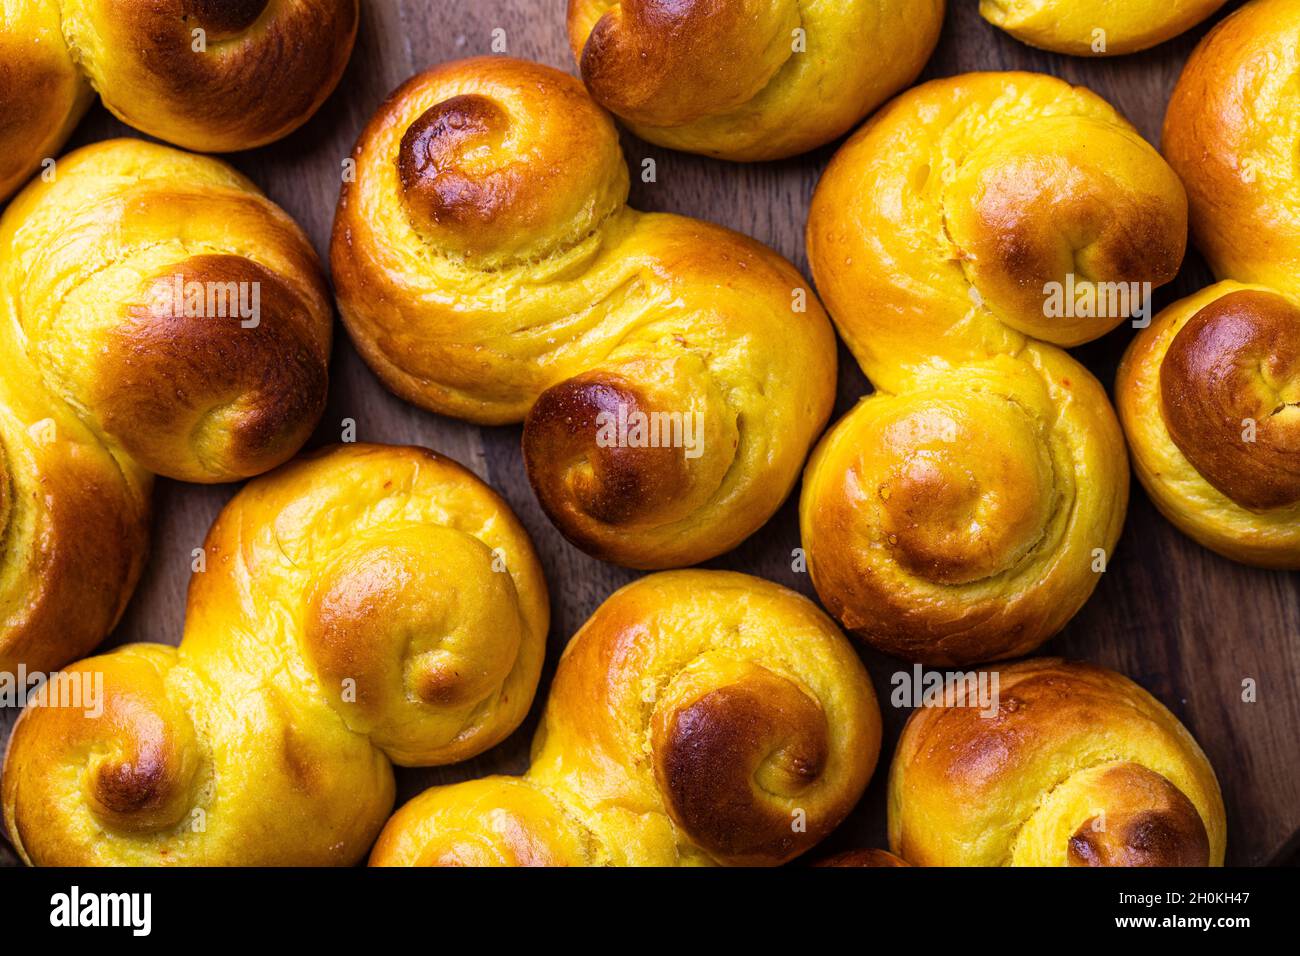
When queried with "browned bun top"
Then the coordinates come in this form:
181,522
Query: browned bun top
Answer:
1078,766
586,485
1147,822
671,374
213,75
499,157
1230,396
725,747
736,700
181,311
663,63
748,80
243,393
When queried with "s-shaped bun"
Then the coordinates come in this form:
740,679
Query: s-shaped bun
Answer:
195,73
749,79
964,511
698,717
158,315
1078,767
671,374
1089,28
364,605
1210,393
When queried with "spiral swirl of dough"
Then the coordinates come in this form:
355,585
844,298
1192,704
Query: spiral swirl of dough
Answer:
963,511
1210,399
112,375
360,607
749,79
698,717
1078,767
192,72
488,268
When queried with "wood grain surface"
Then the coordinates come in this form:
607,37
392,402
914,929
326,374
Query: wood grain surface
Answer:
1186,624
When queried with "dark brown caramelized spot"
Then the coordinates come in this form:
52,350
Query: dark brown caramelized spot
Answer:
219,362
734,761
429,163
583,469
224,18
1230,395
1147,822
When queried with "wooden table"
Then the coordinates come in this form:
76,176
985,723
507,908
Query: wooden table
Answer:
1186,624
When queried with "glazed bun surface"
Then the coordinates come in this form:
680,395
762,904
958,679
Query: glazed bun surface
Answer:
1079,767
488,268
195,73
1089,28
749,79
115,370
359,607
43,94
1229,133
1210,399
965,510
698,717
1210,393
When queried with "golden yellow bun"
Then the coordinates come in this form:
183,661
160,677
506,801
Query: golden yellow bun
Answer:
698,717
1089,28
749,79
488,268
1210,394
42,92
963,511
864,858
1210,399
109,377
359,606
192,72
1230,134
1079,767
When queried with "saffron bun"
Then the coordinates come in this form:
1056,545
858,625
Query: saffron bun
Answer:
1088,28
1228,133
698,717
488,268
746,80
43,93
363,606
191,72
964,510
1210,393
111,377
1080,767
1210,400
